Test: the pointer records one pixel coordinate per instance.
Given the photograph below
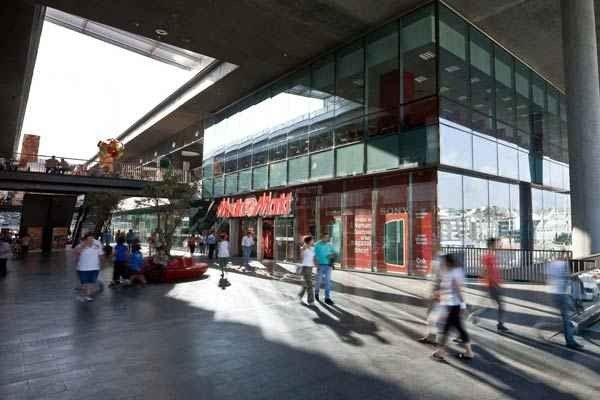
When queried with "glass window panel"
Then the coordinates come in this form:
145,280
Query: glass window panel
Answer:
219,165
321,139
349,131
278,174
260,153
260,178
277,148
298,170
231,161
476,213
245,180
483,124
556,175
456,147
207,188
500,212
383,123
453,73
522,77
245,157
482,82
551,222
515,213
450,209
485,155
506,133
505,89
418,147
382,153
537,215
207,168
321,165
383,75
298,142
231,184
219,186
350,78
508,162
323,85
546,175
455,113
419,113
418,54
350,160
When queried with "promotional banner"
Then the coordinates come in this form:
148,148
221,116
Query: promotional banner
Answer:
423,243
263,206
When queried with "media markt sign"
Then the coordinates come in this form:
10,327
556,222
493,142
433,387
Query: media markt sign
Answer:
265,205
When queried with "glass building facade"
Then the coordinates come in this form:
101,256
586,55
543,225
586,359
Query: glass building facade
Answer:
425,129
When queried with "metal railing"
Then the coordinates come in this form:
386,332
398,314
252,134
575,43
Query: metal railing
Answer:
78,167
514,264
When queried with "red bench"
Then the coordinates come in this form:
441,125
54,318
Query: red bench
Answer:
178,269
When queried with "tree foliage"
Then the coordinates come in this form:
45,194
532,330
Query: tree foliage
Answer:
100,207
170,201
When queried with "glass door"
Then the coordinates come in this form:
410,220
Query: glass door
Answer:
284,239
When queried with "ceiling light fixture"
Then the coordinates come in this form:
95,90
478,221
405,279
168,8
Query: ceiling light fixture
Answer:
161,32
428,55
452,68
420,79
475,80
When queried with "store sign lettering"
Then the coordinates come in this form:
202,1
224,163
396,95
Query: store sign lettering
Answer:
263,206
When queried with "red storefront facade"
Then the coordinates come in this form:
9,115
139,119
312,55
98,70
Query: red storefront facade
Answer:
382,223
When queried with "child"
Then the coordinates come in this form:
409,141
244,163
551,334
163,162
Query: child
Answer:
120,265
223,252
136,263
308,262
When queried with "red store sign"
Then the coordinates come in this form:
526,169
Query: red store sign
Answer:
263,206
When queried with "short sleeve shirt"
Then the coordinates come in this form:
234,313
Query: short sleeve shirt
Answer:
89,258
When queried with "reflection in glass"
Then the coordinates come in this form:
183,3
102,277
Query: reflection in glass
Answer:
505,89
298,170
450,209
382,153
485,155
525,167
278,174
321,165
522,76
508,162
245,180
476,214
219,186
455,147
481,72
260,178
231,183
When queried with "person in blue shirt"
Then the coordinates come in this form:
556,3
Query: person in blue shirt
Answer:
324,255
136,263
120,265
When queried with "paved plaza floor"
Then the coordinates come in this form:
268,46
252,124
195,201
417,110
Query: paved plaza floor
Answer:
255,340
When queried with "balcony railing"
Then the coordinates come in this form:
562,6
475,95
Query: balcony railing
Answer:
78,167
515,264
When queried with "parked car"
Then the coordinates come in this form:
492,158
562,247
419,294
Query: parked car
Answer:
591,291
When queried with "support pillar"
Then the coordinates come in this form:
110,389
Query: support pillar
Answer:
583,106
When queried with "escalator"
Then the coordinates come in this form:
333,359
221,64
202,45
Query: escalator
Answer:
203,215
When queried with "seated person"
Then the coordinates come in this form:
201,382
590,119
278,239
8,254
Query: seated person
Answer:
155,271
135,265
63,166
51,165
161,258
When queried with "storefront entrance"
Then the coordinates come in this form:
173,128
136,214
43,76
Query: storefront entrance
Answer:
285,248
267,238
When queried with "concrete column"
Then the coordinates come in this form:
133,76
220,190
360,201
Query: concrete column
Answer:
583,106
259,241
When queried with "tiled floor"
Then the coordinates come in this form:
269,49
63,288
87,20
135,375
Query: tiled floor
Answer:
255,340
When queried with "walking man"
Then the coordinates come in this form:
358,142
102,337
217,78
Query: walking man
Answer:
129,238
211,240
325,255
493,280
247,244
558,278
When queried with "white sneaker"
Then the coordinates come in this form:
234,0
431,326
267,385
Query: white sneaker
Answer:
88,299
81,299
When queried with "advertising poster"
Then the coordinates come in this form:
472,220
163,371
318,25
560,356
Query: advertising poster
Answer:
59,237
35,233
357,246
423,243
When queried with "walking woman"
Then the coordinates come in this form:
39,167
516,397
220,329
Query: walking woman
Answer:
308,263
452,298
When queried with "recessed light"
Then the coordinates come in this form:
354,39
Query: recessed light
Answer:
509,98
156,154
161,32
420,79
428,55
173,144
478,105
452,68
462,98
443,89
475,80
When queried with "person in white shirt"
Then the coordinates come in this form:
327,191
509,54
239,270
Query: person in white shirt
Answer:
223,252
247,244
452,298
308,263
88,265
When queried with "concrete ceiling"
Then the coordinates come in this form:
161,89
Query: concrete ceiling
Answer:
268,38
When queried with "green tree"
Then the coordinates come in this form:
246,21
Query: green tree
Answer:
100,207
170,201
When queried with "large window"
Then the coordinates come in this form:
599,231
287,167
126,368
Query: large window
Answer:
231,161
231,183
505,92
298,142
382,153
321,165
261,152
245,181
245,157
450,209
456,147
350,160
350,78
453,73
383,80
482,83
278,147
260,178
418,54
278,174
522,77
298,170
475,192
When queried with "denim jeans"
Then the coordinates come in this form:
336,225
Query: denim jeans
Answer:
323,272
563,302
246,251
